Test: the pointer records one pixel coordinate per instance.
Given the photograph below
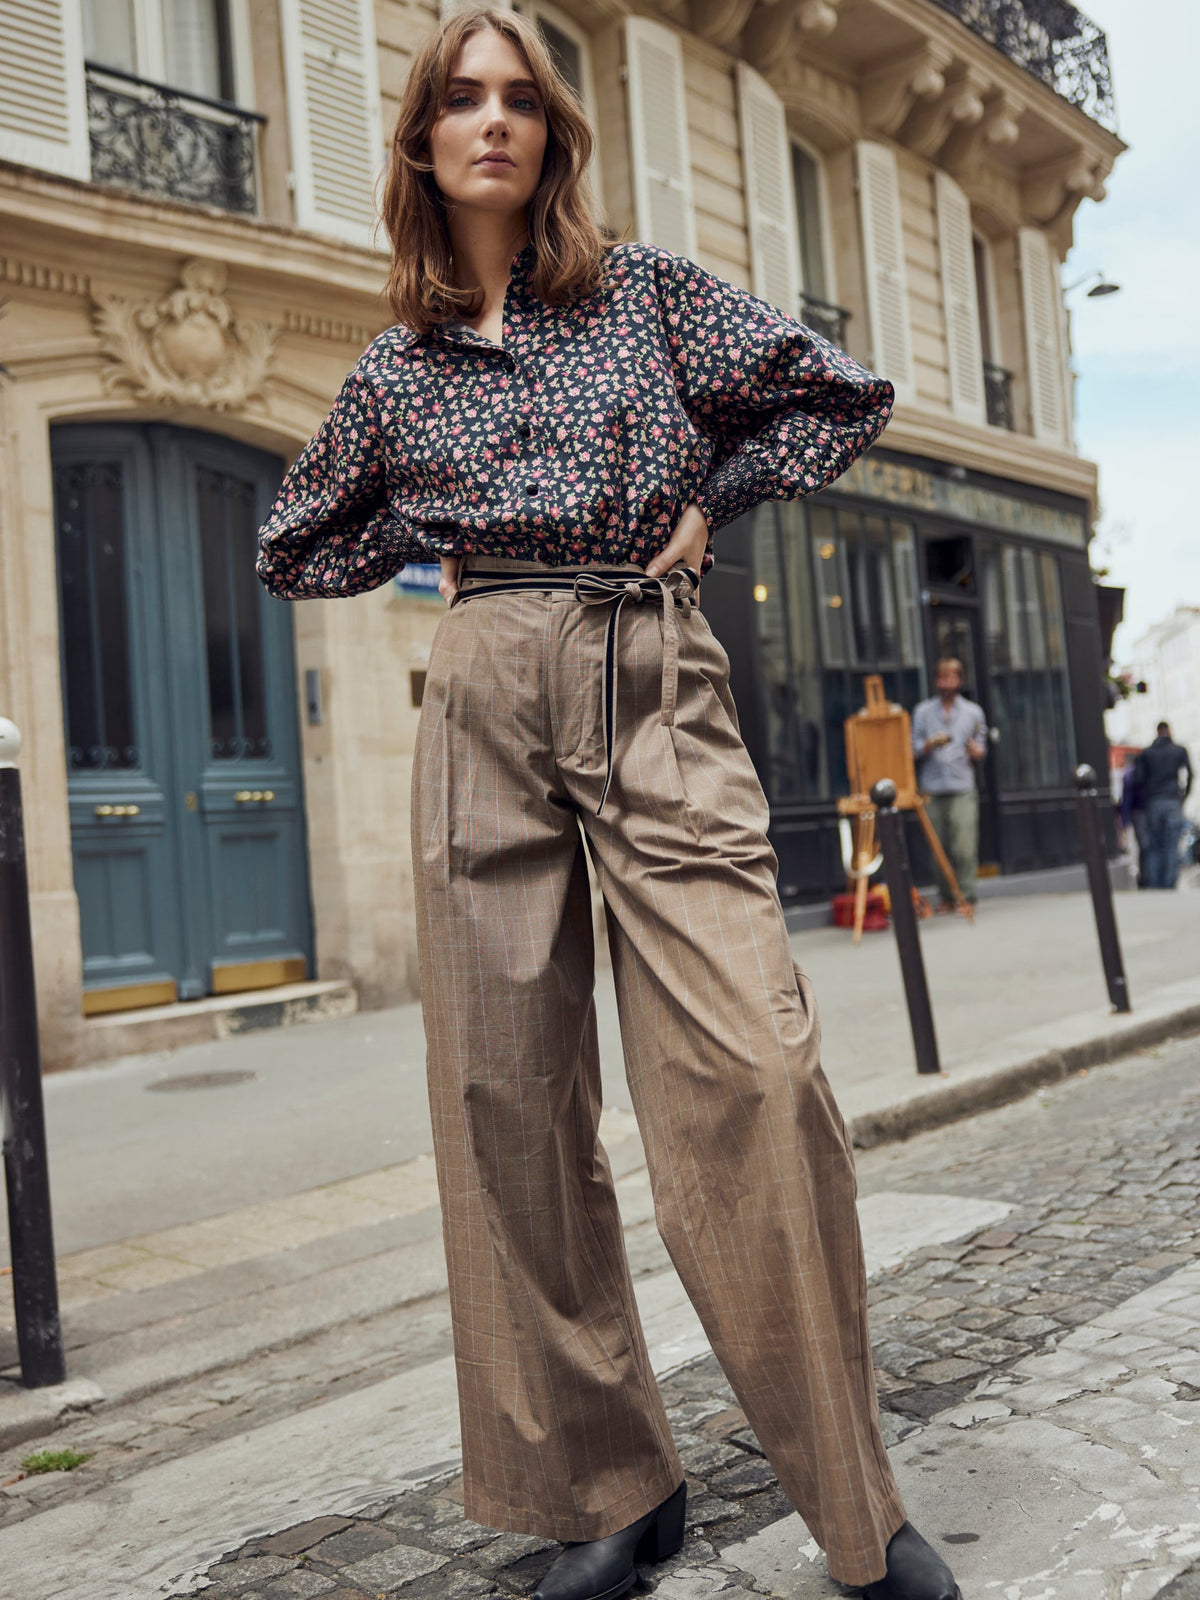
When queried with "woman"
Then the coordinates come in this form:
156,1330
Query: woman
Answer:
564,424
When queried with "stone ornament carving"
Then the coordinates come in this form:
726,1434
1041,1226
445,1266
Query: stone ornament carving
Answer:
818,17
190,347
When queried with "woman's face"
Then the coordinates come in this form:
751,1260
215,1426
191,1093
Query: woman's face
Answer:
488,141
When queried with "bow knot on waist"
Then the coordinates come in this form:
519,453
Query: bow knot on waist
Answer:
616,589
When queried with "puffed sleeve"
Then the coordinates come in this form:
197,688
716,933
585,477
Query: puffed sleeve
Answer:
332,530
786,410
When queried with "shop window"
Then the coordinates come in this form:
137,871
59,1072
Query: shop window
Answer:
1023,617
787,654
869,619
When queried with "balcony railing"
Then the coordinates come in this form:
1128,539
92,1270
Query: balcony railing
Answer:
997,386
823,318
170,142
1051,40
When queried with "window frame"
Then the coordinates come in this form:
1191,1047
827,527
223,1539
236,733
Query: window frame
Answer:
989,330
150,49
579,35
828,258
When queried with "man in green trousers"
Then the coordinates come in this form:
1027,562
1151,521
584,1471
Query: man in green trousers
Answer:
949,734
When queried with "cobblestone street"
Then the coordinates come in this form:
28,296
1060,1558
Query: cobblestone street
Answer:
1102,1174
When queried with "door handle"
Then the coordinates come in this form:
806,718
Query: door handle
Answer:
244,795
117,811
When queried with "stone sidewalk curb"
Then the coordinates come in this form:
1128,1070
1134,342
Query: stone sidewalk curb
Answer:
951,1100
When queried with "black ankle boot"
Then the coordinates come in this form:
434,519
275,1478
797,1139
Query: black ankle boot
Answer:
603,1569
915,1571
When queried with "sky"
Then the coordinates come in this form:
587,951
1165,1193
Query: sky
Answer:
1137,353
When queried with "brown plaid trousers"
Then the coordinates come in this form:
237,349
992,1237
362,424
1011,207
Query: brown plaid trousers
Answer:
563,1429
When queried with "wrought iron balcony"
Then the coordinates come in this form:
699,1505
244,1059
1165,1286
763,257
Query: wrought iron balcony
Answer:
997,386
827,320
170,142
1051,40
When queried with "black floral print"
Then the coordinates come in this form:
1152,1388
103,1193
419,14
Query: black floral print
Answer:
580,439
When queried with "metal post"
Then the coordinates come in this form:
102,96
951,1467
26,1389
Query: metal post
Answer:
26,1171
904,919
1101,887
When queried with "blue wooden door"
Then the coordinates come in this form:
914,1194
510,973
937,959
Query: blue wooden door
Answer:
187,821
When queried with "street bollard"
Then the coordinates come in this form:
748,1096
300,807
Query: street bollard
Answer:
890,825
1098,881
26,1170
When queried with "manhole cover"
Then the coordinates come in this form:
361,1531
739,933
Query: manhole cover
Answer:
202,1080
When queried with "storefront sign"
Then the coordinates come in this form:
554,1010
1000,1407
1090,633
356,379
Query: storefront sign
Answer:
900,485
419,577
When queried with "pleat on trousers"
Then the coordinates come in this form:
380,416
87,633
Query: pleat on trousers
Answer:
564,1433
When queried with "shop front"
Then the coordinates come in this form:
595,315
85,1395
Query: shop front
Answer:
904,561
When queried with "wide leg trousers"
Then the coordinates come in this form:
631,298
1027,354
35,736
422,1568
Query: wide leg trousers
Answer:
564,1433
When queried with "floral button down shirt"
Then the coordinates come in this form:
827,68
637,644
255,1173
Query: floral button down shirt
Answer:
579,439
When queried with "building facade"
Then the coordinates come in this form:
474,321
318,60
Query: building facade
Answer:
217,781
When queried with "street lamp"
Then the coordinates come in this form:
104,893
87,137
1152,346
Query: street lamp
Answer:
1099,288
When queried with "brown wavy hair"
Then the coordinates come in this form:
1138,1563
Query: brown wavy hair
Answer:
569,246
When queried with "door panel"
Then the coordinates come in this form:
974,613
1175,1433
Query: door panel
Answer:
179,697
246,767
118,751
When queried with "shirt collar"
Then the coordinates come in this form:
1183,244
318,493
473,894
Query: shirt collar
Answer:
520,270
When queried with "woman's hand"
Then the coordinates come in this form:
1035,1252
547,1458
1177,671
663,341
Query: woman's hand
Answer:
687,544
448,582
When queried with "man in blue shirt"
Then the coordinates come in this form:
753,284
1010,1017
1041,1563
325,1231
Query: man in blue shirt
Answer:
1160,767
949,734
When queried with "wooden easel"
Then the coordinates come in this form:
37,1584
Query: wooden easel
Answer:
879,745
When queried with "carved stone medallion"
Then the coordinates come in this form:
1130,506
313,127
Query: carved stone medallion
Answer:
189,347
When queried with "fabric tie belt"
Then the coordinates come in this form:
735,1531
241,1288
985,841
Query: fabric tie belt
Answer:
598,586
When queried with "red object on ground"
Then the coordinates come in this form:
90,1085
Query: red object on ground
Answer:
876,914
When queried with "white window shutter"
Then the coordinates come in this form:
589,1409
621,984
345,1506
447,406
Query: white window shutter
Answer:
960,300
658,137
1068,371
43,98
334,115
770,197
1043,344
883,262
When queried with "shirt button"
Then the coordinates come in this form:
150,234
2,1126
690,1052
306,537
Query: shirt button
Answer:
533,489
524,430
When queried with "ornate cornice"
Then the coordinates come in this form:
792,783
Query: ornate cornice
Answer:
820,107
771,29
331,328
890,93
960,105
35,275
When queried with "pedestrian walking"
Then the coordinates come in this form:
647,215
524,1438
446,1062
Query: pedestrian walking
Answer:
949,735
1165,777
564,423
1133,812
